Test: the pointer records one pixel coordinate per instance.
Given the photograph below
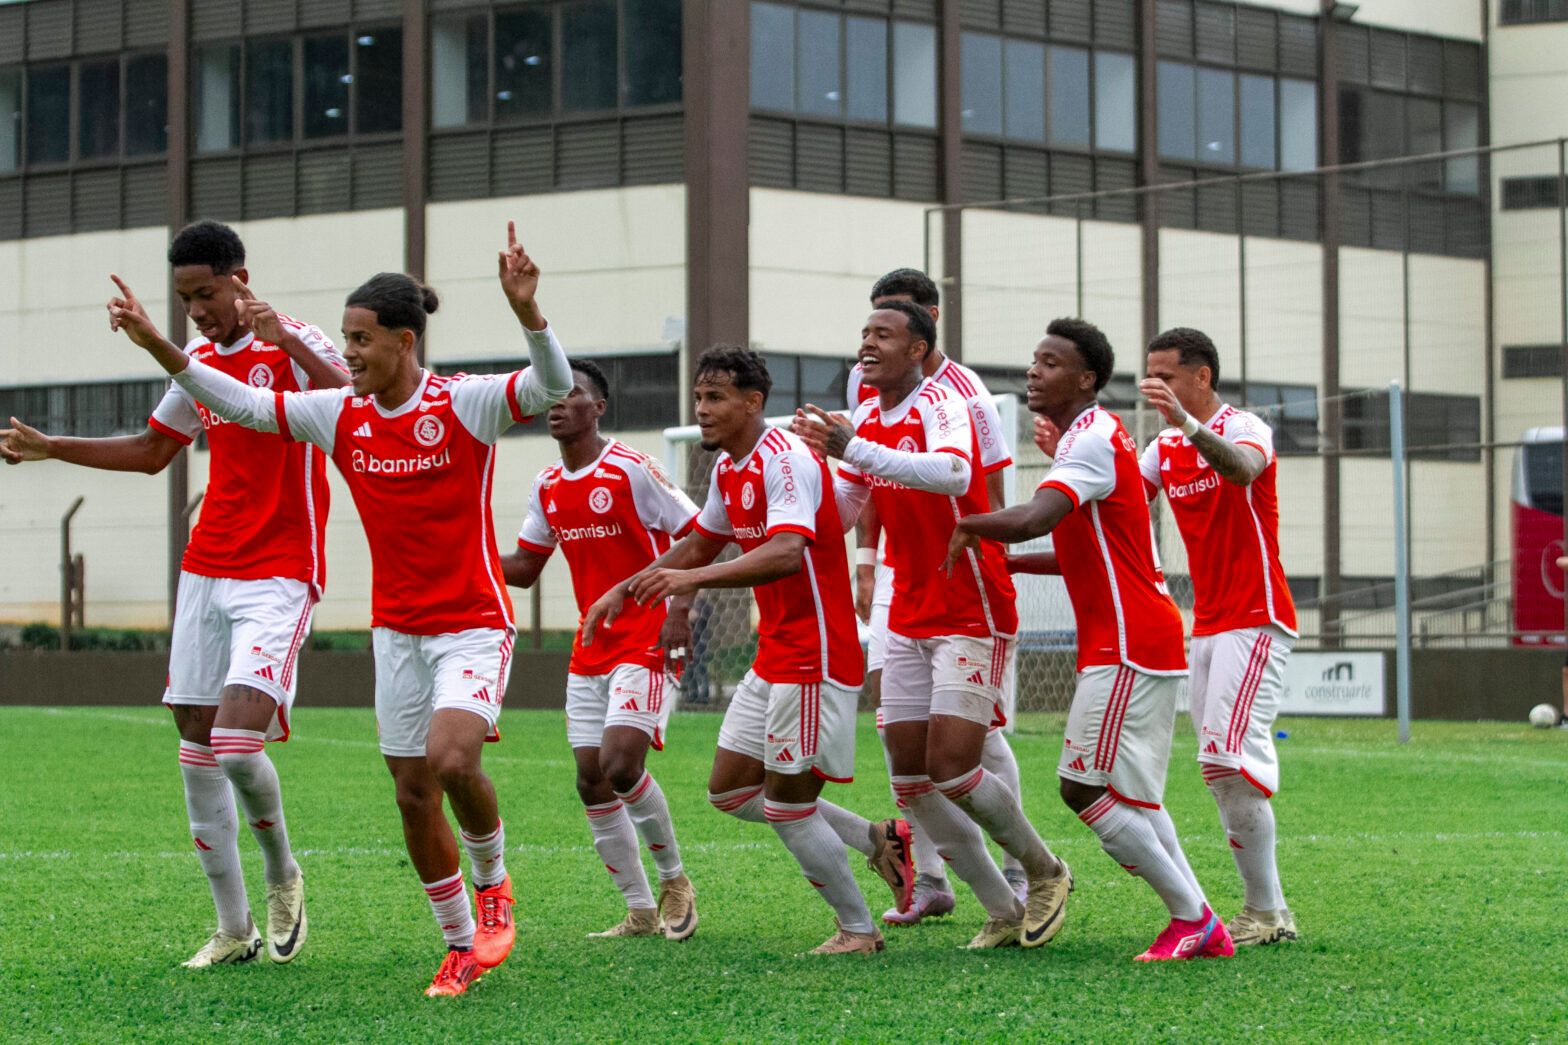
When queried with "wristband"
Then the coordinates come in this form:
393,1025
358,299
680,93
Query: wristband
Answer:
1189,427
865,556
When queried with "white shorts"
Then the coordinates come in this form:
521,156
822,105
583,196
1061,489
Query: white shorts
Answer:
957,675
1238,678
238,633
629,695
793,727
418,675
1119,732
881,602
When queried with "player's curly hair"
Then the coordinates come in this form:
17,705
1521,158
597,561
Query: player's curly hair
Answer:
1091,343
399,301
747,369
589,369
919,286
921,326
209,243
1195,347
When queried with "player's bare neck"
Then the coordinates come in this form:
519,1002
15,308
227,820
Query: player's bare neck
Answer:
1063,417
933,362
401,388
890,397
584,450
746,441
1206,413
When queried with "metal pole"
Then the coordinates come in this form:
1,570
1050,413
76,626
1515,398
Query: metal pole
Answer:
536,611
1396,434
67,575
1562,307
1078,266
1241,285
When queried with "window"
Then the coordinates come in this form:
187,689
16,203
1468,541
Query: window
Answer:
98,111
146,105
1462,130
217,102
84,410
653,52
1437,426
819,88
1216,117
269,91
459,66
378,81
1257,109
1533,361
772,57
866,75
798,380
1178,127
10,121
1380,125
327,80
1069,96
522,64
1535,193
49,115
1298,125
1525,12
645,390
981,90
1024,76
588,57
914,74
1027,91
1220,118
1115,102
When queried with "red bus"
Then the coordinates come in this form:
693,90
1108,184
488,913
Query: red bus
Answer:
1537,524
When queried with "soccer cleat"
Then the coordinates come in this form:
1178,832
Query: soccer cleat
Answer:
1045,906
891,859
677,908
1206,937
286,923
494,933
639,921
1253,928
845,942
996,932
1019,881
933,899
459,970
223,949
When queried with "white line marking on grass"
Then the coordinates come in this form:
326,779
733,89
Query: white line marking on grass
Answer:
356,852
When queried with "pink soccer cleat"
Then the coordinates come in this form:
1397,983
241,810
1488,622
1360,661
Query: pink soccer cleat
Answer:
1206,937
933,899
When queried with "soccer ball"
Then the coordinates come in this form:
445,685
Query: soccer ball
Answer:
1544,716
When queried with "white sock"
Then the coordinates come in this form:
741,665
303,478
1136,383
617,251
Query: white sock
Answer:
743,803
997,758
959,842
990,804
1165,831
615,840
852,829
650,814
209,803
1130,840
1248,817
241,756
823,859
928,862
449,903
486,856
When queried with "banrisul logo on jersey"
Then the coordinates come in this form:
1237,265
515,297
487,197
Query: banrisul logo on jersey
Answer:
429,431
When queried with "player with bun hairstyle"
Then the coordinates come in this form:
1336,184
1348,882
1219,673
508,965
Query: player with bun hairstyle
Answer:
418,453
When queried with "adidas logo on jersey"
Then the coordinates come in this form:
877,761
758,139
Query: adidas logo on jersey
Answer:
363,431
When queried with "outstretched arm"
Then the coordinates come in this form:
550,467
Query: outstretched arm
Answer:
780,556
149,452
1022,522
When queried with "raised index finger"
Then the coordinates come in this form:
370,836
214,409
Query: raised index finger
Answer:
245,292
511,235
124,290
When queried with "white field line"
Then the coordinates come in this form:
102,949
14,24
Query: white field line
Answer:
379,853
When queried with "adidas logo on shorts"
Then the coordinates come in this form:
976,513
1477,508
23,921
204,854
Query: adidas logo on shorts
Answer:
977,679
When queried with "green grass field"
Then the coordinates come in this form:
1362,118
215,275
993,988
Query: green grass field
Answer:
1428,881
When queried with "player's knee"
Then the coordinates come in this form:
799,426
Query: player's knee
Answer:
454,767
622,769
1078,795
239,767
593,789
945,765
417,797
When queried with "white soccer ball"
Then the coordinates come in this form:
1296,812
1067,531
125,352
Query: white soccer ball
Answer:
1544,716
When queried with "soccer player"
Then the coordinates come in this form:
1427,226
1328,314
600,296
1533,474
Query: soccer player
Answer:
418,454
791,723
1217,469
914,453
1130,656
933,896
613,510
249,581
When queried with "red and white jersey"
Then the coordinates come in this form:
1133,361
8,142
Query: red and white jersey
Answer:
611,519
1105,548
807,620
265,510
421,477
976,600
994,452
1231,532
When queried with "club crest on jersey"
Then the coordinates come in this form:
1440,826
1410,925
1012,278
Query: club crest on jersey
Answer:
748,496
907,445
260,376
600,499
428,431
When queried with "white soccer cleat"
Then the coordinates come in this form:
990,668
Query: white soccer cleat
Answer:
1253,928
677,908
639,921
286,924
1045,906
996,932
224,949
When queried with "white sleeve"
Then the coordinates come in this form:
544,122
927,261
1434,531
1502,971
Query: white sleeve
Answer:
318,342
943,467
1246,429
1149,467
1085,467
489,404
714,519
230,399
536,534
852,388
851,493
793,483
994,452
661,505
176,415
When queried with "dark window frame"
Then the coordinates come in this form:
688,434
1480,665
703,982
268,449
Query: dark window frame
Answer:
1236,73
74,161
60,409
1531,12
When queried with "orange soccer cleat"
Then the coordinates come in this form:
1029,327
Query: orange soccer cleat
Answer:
458,972
494,935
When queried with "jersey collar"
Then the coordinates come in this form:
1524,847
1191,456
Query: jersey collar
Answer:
588,468
411,404
896,414
240,344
